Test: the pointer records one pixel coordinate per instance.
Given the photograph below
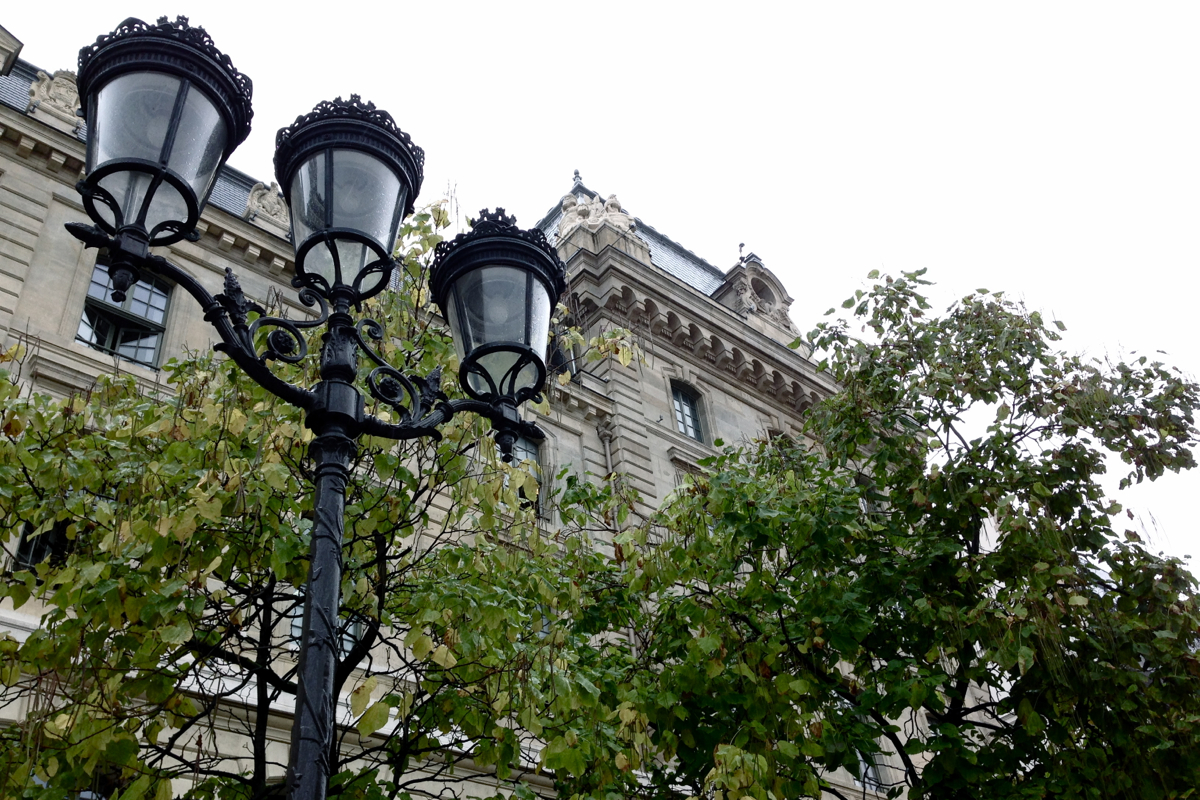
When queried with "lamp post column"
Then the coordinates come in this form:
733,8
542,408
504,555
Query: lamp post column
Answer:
335,419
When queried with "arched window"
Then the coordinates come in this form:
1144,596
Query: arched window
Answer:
687,411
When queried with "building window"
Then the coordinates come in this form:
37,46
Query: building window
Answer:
526,450
868,770
50,545
687,411
132,330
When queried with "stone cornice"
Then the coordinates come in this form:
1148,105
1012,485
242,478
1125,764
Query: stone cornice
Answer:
693,326
579,400
44,147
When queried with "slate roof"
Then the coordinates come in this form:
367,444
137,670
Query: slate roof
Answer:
665,253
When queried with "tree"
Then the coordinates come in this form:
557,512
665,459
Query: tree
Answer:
167,607
932,591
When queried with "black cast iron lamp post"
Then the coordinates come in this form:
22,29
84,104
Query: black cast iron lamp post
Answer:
165,110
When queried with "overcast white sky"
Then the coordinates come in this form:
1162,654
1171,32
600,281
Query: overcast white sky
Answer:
1051,150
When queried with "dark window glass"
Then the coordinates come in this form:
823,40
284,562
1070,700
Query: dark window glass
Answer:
132,330
687,412
50,545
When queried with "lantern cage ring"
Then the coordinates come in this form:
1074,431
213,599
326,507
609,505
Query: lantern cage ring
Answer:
505,388
381,266
92,193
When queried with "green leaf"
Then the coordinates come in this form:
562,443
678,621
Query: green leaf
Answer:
177,634
919,693
1025,659
373,718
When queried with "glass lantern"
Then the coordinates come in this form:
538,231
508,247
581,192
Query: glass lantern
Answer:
350,177
165,109
496,287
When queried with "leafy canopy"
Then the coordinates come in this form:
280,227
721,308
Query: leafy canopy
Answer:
931,592
165,646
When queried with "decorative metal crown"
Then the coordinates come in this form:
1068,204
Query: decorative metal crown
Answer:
354,108
493,222
178,30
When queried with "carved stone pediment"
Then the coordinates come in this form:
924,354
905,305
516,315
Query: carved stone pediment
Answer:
267,207
54,99
753,291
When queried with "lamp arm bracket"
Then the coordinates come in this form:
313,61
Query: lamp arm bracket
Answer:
415,428
227,313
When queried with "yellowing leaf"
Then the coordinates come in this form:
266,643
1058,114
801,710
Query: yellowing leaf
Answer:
444,657
209,508
421,646
362,695
1077,600
373,719
237,422
276,475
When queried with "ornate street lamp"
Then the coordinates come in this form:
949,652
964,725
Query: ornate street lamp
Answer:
165,109
349,175
496,287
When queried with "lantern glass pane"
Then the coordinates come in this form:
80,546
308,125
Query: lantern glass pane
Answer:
308,201
500,304
129,188
199,143
319,261
365,196
492,301
130,117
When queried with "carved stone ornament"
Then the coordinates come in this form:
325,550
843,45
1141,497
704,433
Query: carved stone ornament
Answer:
591,214
55,100
266,204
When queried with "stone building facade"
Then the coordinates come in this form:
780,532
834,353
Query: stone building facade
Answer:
717,365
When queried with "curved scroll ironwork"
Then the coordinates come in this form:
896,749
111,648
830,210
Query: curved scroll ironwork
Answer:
412,398
287,342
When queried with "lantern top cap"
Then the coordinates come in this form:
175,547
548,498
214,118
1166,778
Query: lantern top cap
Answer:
137,46
355,124
497,223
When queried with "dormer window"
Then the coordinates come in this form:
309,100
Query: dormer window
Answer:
687,411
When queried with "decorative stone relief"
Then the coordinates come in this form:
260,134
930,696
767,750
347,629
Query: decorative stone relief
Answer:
591,214
753,291
54,99
266,205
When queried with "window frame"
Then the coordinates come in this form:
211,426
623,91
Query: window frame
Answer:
122,319
687,402
526,449
50,546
